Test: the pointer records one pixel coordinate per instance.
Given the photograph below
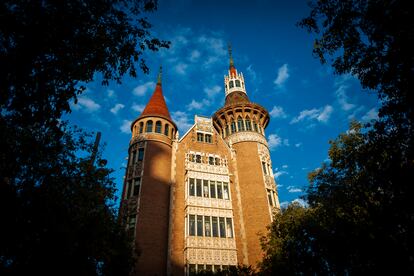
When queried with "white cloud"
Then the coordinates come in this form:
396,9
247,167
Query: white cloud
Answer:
142,89
212,91
194,105
282,75
298,145
343,98
285,166
301,202
286,142
284,204
293,189
278,173
137,107
126,126
215,45
320,114
181,68
195,54
277,112
274,141
372,114
116,108
88,104
252,73
111,93
182,120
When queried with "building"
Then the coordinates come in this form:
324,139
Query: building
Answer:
200,201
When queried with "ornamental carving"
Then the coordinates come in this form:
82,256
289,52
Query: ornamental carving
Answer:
203,124
247,136
200,167
210,250
206,211
270,182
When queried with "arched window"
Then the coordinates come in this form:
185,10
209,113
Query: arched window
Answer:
227,130
141,127
166,129
149,126
248,124
240,124
231,85
158,127
255,127
233,127
237,83
172,133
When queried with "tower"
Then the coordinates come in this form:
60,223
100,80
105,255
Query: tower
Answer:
146,193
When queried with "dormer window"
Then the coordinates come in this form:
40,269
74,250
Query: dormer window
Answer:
237,83
231,84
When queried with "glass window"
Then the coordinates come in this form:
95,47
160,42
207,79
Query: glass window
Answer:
231,85
248,125
227,130
225,190
214,224
137,183
269,197
264,167
200,137
240,124
198,158
222,226
255,127
132,221
158,127
191,188
208,138
207,227
237,83
134,156
129,188
229,228
219,190
192,269
211,160
233,127
217,161
212,189
191,157
191,225
149,126
140,154
141,127
166,129
200,226
198,187
205,188
209,268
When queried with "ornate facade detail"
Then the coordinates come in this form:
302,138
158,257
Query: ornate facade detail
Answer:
210,256
211,169
270,182
203,124
206,211
246,137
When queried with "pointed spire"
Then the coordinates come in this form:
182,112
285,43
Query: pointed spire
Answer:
156,106
232,67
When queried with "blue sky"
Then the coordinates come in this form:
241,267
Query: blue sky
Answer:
308,104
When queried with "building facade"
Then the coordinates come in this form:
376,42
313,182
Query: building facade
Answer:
200,201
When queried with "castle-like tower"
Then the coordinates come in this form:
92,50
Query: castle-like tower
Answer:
199,202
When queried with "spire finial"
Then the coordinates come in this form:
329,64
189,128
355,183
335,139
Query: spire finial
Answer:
159,75
230,55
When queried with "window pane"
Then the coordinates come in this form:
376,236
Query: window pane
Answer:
192,269
200,137
233,127
208,138
269,197
219,190
248,125
207,226
134,156
222,228
158,127
211,160
240,124
199,225
191,188
212,189
141,154
255,127
227,130
166,129
198,187
225,190
141,127
205,188
237,83
149,126
191,225
129,187
198,158
229,228
217,161
264,167
137,183
191,157
209,268
217,268
215,226
132,220
231,85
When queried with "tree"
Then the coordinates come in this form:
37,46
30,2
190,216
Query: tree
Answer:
57,210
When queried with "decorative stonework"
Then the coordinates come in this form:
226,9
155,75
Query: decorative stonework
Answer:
246,137
208,211
210,256
203,124
210,169
270,182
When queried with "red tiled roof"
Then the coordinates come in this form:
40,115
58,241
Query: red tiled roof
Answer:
156,105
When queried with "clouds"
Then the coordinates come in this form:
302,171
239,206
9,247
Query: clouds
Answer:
212,91
137,107
126,126
341,84
277,112
116,108
372,114
293,189
182,120
86,104
282,76
316,114
274,141
142,89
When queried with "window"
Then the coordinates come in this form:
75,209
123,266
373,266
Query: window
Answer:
212,189
198,158
137,184
200,226
192,269
158,127
248,124
191,157
264,167
191,225
207,227
269,197
166,129
140,154
215,226
198,187
217,161
134,156
233,127
237,83
229,228
129,187
219,190
200,137
211,160
240,124
208,138
149,126
132,220
205,188
227,130
255,127
191,188
231,84
222,226
141,127
225,190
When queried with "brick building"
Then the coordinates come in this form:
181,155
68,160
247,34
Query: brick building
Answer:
199,201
